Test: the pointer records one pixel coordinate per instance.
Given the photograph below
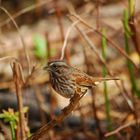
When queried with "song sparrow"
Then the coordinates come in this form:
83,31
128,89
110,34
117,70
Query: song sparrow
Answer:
67,80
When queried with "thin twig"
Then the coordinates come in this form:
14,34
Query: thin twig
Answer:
58,16
122,127
21,38
66,39
98,14
8,58
59,20
107,38
135,35
18,85
25,10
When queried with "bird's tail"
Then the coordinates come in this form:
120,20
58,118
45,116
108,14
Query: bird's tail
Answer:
98,80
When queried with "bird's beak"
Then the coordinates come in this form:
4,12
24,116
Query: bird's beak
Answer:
46,67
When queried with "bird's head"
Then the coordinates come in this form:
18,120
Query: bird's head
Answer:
56,66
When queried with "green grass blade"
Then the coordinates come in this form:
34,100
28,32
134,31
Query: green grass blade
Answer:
127,34
107,103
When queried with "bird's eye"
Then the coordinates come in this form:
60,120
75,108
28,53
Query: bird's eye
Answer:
54,66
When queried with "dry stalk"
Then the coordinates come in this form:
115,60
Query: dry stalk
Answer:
98,14
8,58
17,76
25,10
43,131
21,37
135,35
107,38
117,130
59,20
66,40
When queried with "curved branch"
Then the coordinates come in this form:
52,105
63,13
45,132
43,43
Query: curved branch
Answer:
66,39
21,38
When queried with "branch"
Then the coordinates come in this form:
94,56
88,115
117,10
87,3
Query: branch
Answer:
66,39
107,38
122,127
20,35
25,10
18,80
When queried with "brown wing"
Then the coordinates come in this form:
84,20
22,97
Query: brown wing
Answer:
85,80
82,78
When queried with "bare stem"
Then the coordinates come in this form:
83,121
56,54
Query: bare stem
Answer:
21,38
25,10
18,86
117,130
107,38
66,40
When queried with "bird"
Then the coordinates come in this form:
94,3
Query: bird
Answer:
68,81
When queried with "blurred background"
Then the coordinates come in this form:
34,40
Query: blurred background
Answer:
105,42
